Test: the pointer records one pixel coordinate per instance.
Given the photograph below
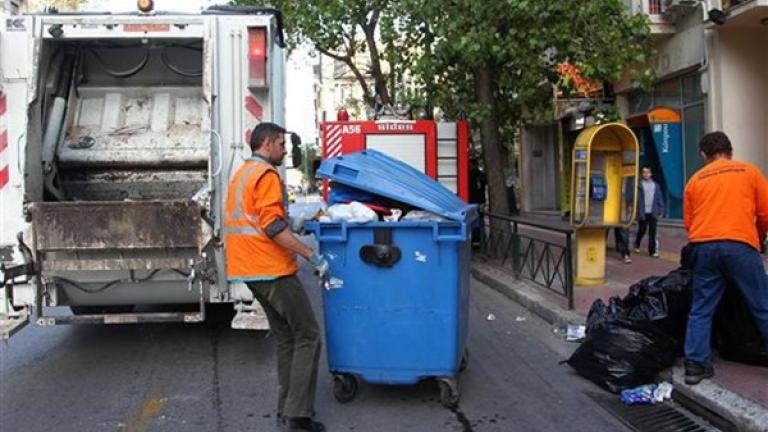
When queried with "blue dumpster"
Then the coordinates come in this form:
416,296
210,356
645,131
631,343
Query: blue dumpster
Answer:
396,306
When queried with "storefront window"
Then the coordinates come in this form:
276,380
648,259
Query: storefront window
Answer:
667,94
692,88
640,101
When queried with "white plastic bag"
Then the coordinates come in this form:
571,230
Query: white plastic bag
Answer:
352,212
422,215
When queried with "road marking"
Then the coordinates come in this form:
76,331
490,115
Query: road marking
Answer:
143,416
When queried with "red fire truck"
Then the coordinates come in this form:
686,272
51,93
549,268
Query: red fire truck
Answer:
438,149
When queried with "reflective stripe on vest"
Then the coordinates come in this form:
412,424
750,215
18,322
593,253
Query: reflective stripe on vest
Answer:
237,213
242,230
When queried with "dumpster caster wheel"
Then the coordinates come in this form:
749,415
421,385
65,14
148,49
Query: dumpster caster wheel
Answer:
464,360
449,392
344,387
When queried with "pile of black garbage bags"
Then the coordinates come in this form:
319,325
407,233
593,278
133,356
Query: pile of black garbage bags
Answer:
630,340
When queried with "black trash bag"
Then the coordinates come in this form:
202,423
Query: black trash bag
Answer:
735,334
600,313
622,354
664,300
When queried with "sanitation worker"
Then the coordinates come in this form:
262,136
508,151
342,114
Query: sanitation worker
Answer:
261,252
726,215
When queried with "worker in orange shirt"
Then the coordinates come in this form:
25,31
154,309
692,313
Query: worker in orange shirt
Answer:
261,252
726,216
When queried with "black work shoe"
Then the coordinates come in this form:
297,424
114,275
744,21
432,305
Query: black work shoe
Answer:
279,421
298,424
695,372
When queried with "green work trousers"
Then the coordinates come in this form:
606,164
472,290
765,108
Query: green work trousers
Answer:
298,343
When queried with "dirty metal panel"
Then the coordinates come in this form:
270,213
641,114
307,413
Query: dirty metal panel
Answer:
136,185
130,126
116,264
72,226
662,417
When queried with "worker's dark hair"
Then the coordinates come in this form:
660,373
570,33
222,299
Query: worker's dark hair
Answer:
715,143
646,166
264,131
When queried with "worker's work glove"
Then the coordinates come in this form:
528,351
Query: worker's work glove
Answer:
321,265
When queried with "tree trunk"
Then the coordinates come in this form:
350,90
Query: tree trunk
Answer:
485,86
379,80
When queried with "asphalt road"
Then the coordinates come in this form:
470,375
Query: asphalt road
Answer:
212,378
209,377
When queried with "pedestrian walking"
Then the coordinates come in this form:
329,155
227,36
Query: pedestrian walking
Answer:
650,207
726,214
621,236
261,252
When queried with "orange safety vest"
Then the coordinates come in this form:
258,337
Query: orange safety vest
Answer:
251,255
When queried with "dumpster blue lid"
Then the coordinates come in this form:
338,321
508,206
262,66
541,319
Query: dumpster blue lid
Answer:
383,175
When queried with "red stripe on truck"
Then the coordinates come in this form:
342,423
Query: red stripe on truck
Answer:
253,107
5,174
3,140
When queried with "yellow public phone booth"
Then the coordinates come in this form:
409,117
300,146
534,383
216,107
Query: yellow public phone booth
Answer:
603,194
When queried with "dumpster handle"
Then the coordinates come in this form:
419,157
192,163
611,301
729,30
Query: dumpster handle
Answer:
332,232
452,234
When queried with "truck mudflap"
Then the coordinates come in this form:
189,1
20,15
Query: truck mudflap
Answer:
12,319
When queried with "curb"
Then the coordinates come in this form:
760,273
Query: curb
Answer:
525,295
743,413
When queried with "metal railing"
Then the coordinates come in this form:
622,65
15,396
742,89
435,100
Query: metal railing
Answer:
535,251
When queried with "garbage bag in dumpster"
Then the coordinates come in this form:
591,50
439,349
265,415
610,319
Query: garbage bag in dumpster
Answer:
621,354
396,307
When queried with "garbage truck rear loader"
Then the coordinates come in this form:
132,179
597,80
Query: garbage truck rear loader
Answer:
122,131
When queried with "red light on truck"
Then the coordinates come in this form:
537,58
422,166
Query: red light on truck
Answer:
257,57
342,115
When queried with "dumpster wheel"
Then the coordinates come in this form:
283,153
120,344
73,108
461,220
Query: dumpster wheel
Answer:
344,387
449,391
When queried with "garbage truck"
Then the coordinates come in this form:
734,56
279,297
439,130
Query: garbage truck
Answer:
118,136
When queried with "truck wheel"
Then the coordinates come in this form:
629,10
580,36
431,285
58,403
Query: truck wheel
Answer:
449,392
344,387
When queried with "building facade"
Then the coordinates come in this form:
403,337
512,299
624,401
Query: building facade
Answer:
711,66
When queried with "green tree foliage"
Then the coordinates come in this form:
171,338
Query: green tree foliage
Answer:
498,60
495,61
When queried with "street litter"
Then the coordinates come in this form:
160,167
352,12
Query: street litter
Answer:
490,317
575,333
520,319
647,394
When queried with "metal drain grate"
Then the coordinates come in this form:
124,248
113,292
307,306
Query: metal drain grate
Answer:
662,417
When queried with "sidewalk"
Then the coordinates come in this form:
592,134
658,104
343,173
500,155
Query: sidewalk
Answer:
738,393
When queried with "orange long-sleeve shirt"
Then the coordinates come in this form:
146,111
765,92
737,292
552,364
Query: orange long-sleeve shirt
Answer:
726,200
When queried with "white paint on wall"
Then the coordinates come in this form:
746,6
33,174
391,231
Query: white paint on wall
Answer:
742,63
